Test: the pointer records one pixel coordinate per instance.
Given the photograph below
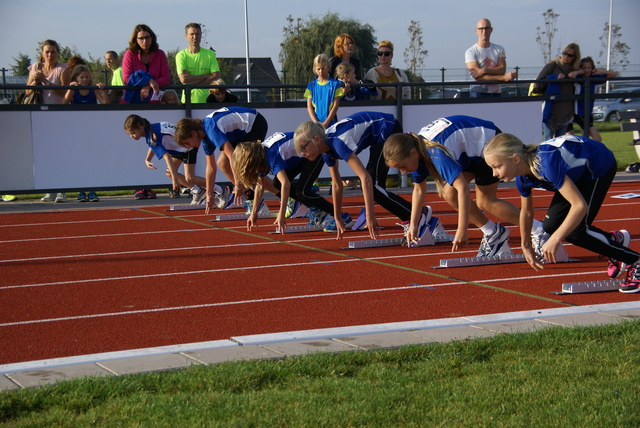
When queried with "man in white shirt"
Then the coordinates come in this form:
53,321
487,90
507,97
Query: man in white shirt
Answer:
487,61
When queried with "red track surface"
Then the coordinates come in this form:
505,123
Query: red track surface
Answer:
90,281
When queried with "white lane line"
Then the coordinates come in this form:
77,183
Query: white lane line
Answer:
280,299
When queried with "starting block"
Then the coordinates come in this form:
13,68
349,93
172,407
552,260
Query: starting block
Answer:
436,233
263,212
506,256
590,286
361,220
298,229
187,207
301,212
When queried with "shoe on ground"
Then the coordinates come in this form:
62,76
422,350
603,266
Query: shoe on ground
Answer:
139,194
331,226
173,194
93,197
150,194
198,197
185,190
248,206
222,199
615,267
292,207
492,245
537,241
423,225
61,197
82,197
316,216
9,198
48,197
631,284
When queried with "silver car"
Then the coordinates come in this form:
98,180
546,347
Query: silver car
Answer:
606,109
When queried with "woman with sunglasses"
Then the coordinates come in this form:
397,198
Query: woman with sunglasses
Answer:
557,115
384,73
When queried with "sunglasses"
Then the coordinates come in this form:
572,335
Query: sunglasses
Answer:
385,53
568,54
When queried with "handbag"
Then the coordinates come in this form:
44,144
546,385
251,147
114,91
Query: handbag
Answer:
35,97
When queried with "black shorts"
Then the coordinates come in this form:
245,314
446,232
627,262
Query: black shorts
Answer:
188,158
483,174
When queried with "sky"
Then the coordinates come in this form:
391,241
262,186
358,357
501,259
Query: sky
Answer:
448,27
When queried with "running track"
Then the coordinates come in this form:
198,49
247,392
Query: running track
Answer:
87,281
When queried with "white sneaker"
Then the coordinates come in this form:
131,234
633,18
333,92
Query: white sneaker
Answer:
61,197
492,245
48,197
537,241
222,199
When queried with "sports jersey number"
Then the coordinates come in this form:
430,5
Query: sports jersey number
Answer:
434,128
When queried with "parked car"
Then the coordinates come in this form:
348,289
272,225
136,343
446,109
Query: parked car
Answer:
449,93
515,91
257,96
606,109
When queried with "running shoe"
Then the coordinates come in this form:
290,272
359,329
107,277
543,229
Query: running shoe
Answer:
199,196
173,194
615,267
93,197
423,225
8,198
61,197
316,216
631,284
222,199
150,194
48,197
537,241
292,207
248,206
82,197
185,190
139,194
492,245
331,226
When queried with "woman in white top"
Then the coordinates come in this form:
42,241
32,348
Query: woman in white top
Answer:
48,71
384,73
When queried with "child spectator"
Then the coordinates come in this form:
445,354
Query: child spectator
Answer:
587,68
170,97
323,94
220,95
346,73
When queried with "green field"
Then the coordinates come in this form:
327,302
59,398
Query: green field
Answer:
568,377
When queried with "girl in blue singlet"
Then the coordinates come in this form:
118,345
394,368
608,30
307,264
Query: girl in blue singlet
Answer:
579,171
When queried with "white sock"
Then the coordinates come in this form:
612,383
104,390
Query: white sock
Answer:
536,229
489,228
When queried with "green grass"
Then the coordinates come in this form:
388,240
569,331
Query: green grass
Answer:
571,377
618,143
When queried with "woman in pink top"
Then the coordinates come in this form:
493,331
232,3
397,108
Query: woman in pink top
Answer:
48,71
145,55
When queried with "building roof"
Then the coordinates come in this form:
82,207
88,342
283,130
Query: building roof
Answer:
262,71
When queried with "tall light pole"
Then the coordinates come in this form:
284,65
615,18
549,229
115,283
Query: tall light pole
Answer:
246,37
609,41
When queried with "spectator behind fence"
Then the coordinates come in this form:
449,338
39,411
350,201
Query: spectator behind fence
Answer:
384,73
343,48
557,115
144,65
220,95
113,63
486,61
49,72
323,94
196,66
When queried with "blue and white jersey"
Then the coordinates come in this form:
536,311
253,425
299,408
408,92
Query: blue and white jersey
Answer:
357,132
226,124
281,153
164,143
579,158
446,166
463,136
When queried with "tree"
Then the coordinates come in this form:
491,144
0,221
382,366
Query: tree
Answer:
545,36
414,55
619,49
20,67
303,40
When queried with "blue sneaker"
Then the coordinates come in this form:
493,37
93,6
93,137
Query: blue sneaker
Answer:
82,197
332,227
316,216
93,197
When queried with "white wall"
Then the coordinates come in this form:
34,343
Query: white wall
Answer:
66,150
